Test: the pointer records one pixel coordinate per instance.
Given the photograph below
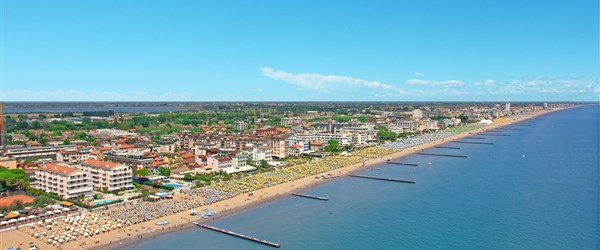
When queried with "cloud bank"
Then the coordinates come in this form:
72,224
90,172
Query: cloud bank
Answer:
323,82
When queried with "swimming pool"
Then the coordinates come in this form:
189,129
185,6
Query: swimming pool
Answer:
105,202
174,185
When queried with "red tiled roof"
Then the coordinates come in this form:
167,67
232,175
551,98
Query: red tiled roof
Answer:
187,156
105,148
102,164
295,146
156,163
60,168
125,146
316,143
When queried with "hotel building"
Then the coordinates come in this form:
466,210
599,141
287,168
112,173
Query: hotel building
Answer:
66,181
108,175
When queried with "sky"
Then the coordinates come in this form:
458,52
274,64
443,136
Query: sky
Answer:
273,50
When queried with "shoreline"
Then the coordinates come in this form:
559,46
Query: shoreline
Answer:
180,221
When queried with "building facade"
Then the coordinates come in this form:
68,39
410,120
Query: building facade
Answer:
66,181
108,175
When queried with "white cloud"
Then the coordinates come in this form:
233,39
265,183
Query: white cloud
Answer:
258,90
324,82
419,74
445,84
544,85
537,83
489,83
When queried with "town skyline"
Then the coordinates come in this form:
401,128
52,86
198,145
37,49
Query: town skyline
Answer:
208,52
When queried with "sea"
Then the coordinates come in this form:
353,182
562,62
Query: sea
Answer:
117,109
534,189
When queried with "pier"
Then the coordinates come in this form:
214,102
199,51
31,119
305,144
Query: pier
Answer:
268,243
459,156
382,178
446,147
404,164
310,196
473,142
495,134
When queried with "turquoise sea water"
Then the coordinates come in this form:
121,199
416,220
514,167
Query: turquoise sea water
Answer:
494,199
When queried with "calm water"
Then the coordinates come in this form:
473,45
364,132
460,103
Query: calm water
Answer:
495,199
132,109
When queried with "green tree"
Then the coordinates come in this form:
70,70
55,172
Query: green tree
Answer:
385,135
164,171
42,201
264,164
188,177
66,141
13,179
141,172
81,136
332,146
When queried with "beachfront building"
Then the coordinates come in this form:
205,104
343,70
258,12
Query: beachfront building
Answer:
108,175
66,181
216,163
342,139
240,159
259,153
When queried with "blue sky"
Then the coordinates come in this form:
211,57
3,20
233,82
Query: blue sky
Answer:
300,50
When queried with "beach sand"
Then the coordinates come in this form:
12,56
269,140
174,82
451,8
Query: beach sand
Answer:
179,221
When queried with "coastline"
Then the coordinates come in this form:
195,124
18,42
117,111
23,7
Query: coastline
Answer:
180,221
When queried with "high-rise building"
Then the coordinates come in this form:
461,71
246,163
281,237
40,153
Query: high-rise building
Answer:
507,108
240,125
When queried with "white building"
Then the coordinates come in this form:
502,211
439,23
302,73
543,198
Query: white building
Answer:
66,181
240,125
259,153
108,175
417,114
217,163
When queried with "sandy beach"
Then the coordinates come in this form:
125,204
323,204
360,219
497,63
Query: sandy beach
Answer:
128,235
